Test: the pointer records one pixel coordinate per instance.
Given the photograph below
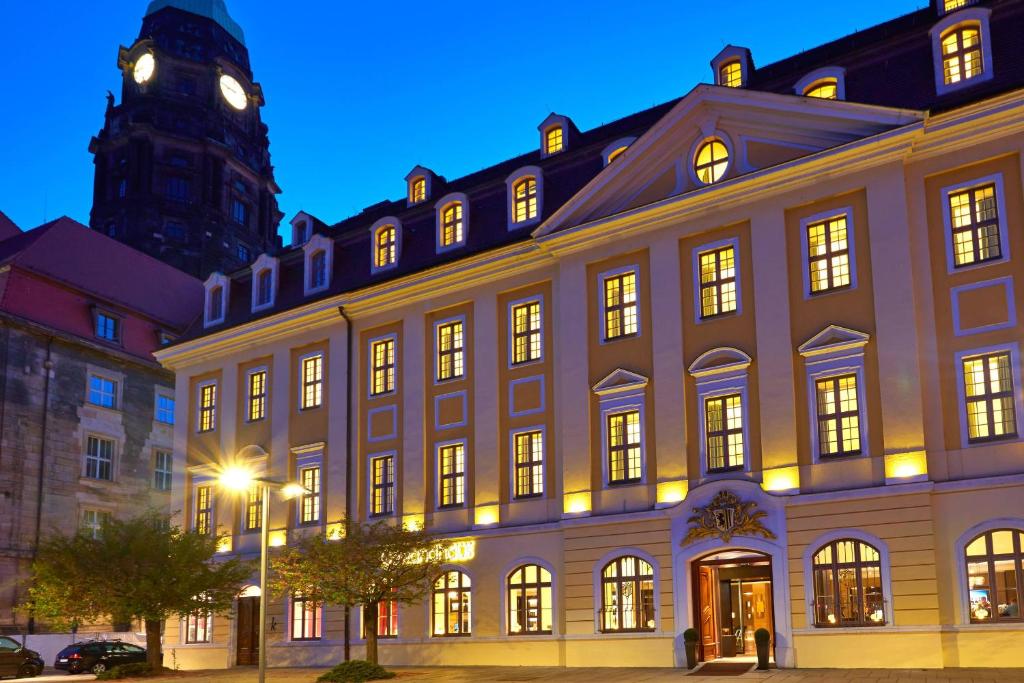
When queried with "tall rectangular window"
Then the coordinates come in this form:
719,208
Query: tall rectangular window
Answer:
99,458
723,424
198,627
624,454
529,464
305,619
387,619
717,282
730,74
382,354
162,468
215,304
207,407
988,389
527,339
452,468
553,140
108,327
264,287
309,501
257,395
838,416
318,269
178,189
975,221
239,212
312,381
204,510
253,518
620,306
961,54
828,255
450,351
452,225
164,409
102,391
382,489
93,521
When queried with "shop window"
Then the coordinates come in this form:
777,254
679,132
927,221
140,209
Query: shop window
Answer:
848,585
306,619
529,601
627,595
995,576
451,605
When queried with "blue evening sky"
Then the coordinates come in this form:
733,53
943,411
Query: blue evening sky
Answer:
359,92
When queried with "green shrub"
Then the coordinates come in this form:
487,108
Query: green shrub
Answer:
690,635
762,636
356,671
137,670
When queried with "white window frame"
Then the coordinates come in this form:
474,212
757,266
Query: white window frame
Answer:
995,179
437,350
733,242
510,336
715,380
261,265
216,280
115,451
885,578
553,121
99,513
601,278
374,229
443,203
247,397
305,459
393,336
691,160
851,249
156,406
538,175
1012,348
290,614
512,433
393,454
622,391
964,15
169,471
313,245
302,380
829,72
116,394
731,53
428,180
202,643
437,474
830,367
199,406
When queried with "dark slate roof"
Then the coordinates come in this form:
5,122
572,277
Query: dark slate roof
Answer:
889,65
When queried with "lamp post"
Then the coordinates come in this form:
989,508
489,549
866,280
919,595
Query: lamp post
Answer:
241,480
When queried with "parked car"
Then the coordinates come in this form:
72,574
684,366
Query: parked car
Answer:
96,656
18,660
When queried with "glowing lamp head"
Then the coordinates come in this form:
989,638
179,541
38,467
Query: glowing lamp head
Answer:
292,490
236,478
144,68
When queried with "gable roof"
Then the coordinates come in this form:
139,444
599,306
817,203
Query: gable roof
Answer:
7,227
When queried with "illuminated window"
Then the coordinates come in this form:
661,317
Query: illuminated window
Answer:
529,601
711,162
253,518
163,463
828,255
203,523
108,327
529,464
450,351
207,407
730,74
838,416
615,154
975,221
988,389
848,585
312,381
102,391
452,225
452,468
318,270
198,627
717,282
553,140
385,245
93,521
215,305
995,576
527,340
451,605
627,595
306,619
382,354
950,5
264,287
387,619
382,489
417,190
99,458
624,452
961,54
723,425
309,501
524,194
257,396
621,309
825,89
165,409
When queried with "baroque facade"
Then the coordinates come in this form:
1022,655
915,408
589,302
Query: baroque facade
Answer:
748,359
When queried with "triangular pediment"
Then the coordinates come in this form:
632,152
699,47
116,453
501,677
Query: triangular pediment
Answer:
723,359
618,381
833,339
762,130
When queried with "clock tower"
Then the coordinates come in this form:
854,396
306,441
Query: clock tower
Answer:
183,168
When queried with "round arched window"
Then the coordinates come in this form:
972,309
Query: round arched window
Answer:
712,161
848,585
627,595
995,572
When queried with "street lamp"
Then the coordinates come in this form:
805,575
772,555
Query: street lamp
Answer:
241,480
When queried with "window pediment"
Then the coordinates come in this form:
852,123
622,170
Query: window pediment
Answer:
718,361
620,381
833,339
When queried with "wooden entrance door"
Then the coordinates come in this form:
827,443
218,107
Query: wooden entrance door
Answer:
708,622
248,631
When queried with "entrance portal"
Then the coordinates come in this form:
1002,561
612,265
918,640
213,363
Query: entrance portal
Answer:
733,599
248,624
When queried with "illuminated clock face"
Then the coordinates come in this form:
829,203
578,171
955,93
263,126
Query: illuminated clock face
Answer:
144,68
233,92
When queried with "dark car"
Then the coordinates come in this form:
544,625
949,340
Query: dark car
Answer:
96,656
17,660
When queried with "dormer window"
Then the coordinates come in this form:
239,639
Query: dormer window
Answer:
217,292
264,282
302,229
386,234
731,68
825,84
264,288
553,140
108,327
962,50
417,190
614,150
215,305
730,74
556,134
953,5
711,161
824,89
961,54
318,269
452,221
319,259
525,190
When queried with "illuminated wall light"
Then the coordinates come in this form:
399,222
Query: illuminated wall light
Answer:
576,503
224,544
781,479
413,522
901,467
336,531
486,515
277,538
672,492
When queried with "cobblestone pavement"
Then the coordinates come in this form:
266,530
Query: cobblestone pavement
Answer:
605,675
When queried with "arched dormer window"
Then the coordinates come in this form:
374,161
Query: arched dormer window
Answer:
264,282
732,67
417,190
215,307
555,134
616,149
452,221
319,252
525,197
302,228
553,139
828,83
730,74
419,185
386,249
962,49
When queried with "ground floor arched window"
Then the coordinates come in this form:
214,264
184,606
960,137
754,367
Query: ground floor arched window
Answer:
627,595
848,585
529,600
451,604
995,575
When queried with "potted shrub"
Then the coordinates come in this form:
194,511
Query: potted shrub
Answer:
763,639
690,641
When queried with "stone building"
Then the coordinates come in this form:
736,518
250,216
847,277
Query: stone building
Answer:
86,412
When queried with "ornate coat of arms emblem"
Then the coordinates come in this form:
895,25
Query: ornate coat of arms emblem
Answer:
727,516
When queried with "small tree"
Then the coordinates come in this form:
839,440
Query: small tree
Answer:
141,568
369,564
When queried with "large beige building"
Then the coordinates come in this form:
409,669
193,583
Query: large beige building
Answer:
747,359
